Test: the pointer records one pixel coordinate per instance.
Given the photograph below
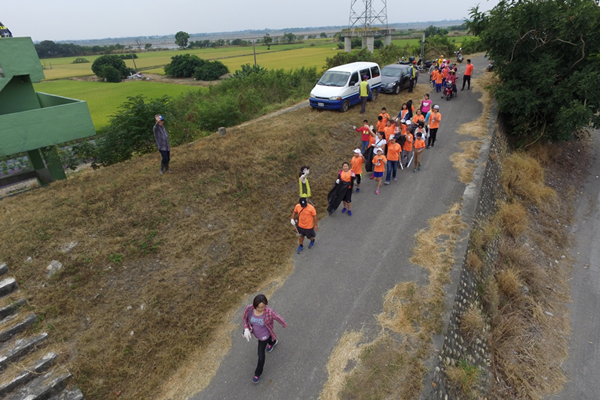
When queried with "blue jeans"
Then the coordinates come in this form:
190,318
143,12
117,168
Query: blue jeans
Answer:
365,145
391,165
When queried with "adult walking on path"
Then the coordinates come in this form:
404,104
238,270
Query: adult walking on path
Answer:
434,125
342,190
467,75
364,93
307,224
162,142
258,320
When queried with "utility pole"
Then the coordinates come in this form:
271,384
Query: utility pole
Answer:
254,49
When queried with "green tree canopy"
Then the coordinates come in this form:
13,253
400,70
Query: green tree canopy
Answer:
183,65
323,35
181,39
114,61
546,59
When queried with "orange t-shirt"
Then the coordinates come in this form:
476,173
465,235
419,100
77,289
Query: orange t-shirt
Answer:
385,116
408,143
419,144
439,77
469,70
346,176
381,125
435,120
357,163
418,118
305,216
381,160
393,151
403,129
389,131
371,140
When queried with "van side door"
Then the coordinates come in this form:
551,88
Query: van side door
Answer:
354,88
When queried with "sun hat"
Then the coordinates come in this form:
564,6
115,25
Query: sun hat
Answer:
436,107
357,151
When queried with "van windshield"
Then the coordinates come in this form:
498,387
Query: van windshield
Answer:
334,78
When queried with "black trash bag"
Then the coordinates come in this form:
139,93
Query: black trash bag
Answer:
336,195
369,159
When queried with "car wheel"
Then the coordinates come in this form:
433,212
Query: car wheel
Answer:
345,106
374,95
397,89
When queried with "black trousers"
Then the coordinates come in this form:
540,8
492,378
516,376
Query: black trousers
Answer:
166,156
411,85
432,135
363,100
466,78
262,348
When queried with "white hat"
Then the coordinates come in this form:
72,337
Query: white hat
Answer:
436,107
357,151
379,150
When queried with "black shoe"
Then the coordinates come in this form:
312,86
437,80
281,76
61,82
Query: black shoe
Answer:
462,89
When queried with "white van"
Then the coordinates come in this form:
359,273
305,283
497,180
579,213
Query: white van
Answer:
339,87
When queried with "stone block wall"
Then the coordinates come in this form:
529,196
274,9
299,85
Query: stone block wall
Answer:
457,348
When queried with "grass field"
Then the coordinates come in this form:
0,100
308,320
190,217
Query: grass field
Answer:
104,98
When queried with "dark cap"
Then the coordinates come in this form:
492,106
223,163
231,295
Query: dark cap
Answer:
303,201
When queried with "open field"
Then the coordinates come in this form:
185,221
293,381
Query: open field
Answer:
104,98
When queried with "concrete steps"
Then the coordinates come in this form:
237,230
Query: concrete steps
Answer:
27,372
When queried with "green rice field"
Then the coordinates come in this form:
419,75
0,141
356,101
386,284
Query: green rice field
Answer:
104,98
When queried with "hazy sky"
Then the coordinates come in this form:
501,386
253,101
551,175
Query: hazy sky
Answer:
85,19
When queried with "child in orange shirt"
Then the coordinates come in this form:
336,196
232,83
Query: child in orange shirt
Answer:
379,162
380,123
407,148
393,155
357,161
419,146
418,117
389,130
438,80
384,115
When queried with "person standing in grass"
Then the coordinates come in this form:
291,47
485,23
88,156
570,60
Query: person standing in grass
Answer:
162,142
303,182
366,132
419,146
379,162
307,224
258,320
365,89
357,162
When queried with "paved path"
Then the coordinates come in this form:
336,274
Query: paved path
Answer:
338,285
583,364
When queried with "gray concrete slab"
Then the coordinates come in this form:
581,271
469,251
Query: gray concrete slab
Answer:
583,365
339,284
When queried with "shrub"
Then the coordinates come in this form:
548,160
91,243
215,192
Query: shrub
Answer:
183,65
210,71
472,45
110,73
112,60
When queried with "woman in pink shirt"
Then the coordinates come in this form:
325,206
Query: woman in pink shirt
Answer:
258,320
426,104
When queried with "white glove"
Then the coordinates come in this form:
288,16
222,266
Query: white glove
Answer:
402,121
246,334
354,127
293,221
371,126
337,181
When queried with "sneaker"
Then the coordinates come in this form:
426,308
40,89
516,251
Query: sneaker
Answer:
357,190
310,246
372,176
256,379
269,347
415,170
377,191
386,182
395,179
343,210
300,248
349,213
419,168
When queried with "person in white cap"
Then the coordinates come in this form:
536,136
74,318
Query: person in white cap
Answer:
357,162
162,142
434,124
379,162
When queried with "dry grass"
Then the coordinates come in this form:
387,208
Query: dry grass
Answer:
464,378
479,127
523,177
474,263
472,322
513,218
509,282
153,251
464,162
346,350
